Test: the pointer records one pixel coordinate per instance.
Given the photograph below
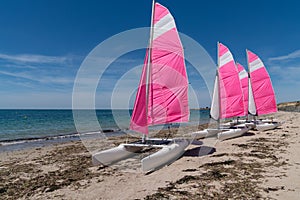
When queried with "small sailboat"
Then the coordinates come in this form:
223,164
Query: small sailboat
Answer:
227,101
162,96
261,93
243,76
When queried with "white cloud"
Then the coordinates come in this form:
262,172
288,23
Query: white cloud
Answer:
41,69
33,58
284,72
293,55
286,69
38,78
18,66
35,100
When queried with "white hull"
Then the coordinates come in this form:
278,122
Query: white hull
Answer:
232,133
260,125
239,124
224,133
110,156
269,120
234,122
227,124
267,126
206,133
165,156
250,125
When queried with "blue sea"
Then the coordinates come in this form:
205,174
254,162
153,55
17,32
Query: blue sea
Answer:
23,128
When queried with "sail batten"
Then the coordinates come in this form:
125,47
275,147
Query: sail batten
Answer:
168,85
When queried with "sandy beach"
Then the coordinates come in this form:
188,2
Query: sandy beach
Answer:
263,165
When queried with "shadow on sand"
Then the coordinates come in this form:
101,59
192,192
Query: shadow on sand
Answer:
199,151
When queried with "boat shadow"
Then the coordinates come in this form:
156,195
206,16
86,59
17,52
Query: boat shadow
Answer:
248,134
199,151
196,142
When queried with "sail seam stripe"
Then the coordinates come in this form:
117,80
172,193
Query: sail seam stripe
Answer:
256,64
225,58
163,25
243,74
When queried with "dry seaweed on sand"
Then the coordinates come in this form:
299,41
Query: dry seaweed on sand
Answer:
24,180
236,176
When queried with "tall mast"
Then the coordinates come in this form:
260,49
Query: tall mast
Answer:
217,74
149,63
250,92
249,82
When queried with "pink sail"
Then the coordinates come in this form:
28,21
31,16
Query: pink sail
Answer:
230,92
243,75
168,84
262,89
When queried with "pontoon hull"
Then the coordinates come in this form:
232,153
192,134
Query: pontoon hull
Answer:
267,126
232,133
110,156
205,133
250,125
240,123
165,156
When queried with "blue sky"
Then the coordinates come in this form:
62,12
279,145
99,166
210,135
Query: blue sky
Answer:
43,43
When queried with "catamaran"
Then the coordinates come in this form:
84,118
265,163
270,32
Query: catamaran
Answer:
227,101
259,96
261,93
162,96
243,76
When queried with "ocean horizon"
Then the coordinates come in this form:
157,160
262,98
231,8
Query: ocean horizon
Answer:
23,126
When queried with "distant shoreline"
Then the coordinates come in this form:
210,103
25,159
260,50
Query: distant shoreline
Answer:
206,108
289,106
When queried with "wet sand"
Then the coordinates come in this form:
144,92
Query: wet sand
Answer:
257,165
